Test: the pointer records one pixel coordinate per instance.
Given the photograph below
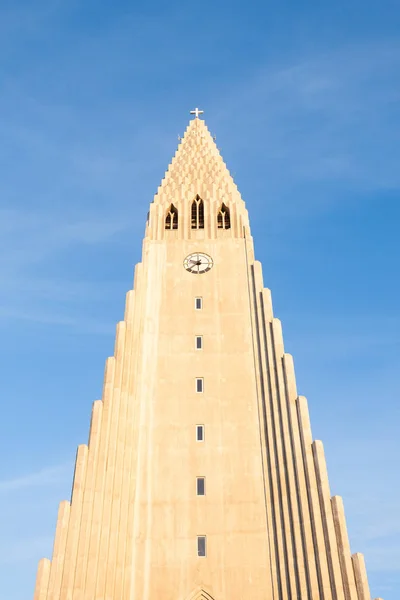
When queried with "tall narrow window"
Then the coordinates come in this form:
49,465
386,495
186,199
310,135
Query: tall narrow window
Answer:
199,385
198,303
201,486
200,433
199,342
223,217
171,220
197,213
201,545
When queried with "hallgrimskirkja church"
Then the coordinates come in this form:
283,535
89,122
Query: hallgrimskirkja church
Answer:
200,479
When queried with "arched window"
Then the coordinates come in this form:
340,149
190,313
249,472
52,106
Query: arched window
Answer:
200,594
223,218
197,213
171,220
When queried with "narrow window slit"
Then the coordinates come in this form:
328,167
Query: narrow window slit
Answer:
200,433
201,545
199,385
201,486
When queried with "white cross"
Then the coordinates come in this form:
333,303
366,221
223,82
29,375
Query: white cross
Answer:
196,112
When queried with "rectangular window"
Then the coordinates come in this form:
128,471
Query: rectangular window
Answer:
198,303
201,545
199,342
199,385
201,486
200,433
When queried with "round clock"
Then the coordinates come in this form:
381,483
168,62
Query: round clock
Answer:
198,263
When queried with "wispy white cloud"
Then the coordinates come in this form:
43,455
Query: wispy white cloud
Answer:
322,118
24,549
44,477
27,237
342,336
371,509
28,243
78,325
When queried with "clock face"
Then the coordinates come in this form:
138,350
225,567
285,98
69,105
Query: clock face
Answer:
198,263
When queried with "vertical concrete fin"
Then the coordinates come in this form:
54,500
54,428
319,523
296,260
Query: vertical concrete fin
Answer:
360,575
258,275
325,590
42,579
123,471
60,542
124,575
129,306
267,304
290,378
79,474
87,508
108,380
114,441
305,525
349,584
120,484
294,543
261,363
283,525
74,526
100,467
95,424
327,520
278,337
272,475
119,341
138,269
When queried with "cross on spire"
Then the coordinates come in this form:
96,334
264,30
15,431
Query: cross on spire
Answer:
196,112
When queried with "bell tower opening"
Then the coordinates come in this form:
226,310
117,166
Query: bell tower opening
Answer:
171,220
197,213
223,217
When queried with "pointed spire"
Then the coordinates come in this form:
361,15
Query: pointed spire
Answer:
197,161
197,170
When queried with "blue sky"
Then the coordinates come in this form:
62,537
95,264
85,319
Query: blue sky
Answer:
304,100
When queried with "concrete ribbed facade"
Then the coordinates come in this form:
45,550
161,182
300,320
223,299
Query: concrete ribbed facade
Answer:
272,530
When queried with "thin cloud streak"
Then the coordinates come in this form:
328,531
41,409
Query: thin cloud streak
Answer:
322,119
80,326
45,477
19,551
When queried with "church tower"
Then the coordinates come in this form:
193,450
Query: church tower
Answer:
200,479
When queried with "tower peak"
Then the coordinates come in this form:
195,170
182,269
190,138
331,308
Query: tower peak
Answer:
197,172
